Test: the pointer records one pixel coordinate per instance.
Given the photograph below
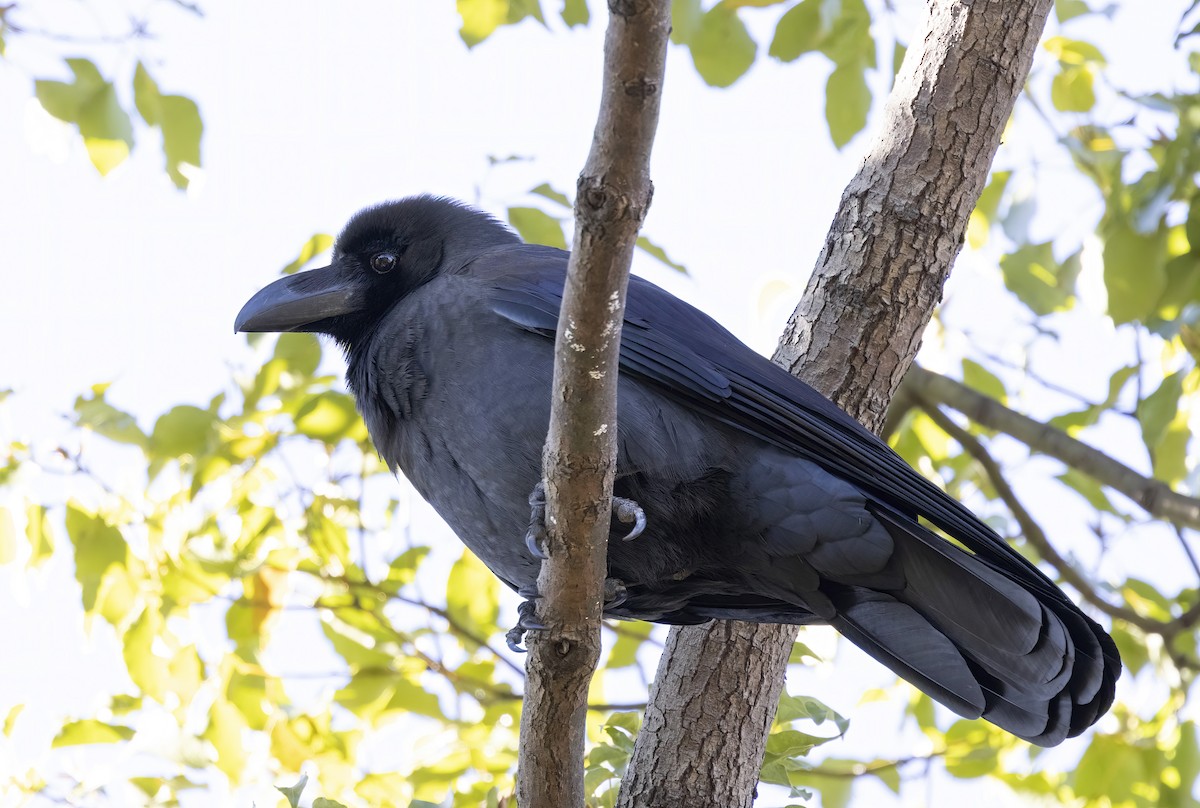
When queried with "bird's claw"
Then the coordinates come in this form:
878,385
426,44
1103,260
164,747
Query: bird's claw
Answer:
626,510
535,537
526,621
615,593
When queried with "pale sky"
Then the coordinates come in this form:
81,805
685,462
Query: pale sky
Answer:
313,110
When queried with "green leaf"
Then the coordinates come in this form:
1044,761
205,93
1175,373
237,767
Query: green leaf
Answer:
1074,51
1134,653
480,18
629,640
317,244
183,431
321,802
847,102
177,117
801,30
104,419
537,227
1156,411
147,669
685,20
658,252
224,732
1087,488
39,534
575,12
1134,271
10,720
301,353
91,104
87,731
329,417
980,224
1073,89
971,749
544,190
979,378
98,546
1069,9
1109,770
1032,274
721,48
473,595
292,793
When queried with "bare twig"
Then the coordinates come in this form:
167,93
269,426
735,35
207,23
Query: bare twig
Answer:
1155,497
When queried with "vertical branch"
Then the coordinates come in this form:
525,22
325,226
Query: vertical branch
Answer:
579,461
896,233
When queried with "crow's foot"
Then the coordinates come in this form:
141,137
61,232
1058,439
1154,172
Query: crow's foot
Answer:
615,593
527,620
626,510
535,537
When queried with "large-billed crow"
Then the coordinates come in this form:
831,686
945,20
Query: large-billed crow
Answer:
763,500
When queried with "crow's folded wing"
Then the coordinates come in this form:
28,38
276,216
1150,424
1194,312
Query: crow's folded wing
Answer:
693,359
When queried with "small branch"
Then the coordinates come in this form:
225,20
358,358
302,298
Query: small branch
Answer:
579,461
1155,497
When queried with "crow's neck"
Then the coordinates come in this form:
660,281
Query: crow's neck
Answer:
386,373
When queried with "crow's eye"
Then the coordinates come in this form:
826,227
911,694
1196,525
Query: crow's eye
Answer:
383,262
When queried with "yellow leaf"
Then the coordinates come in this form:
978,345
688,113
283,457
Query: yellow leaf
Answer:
106,154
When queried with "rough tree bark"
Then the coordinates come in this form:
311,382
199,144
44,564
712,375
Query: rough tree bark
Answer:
887,255
612,197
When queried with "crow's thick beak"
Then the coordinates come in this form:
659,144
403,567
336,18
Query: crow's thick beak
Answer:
299,301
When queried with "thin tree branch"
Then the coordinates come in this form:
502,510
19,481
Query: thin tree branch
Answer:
1155,497
579,461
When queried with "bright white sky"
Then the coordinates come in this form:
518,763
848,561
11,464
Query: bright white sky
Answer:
313,110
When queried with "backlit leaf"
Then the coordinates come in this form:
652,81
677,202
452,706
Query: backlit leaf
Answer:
90,731
658,252
537,227
1072,89
473,595
316,244
292,793
575,12
1032,274
798,31
721,48
91,103
1134,272
847,102
183,431
98,546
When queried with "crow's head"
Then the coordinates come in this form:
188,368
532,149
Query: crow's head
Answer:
382,254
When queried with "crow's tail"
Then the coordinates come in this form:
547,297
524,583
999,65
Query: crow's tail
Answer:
982,641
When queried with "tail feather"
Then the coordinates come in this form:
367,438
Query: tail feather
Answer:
980,640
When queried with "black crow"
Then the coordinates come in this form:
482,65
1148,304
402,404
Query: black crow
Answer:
763,501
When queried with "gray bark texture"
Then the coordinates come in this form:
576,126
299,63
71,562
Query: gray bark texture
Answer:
613,195
896,233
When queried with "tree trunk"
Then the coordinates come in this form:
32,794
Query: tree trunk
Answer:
579,460
893,240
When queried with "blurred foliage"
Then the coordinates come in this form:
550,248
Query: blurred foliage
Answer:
244,514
